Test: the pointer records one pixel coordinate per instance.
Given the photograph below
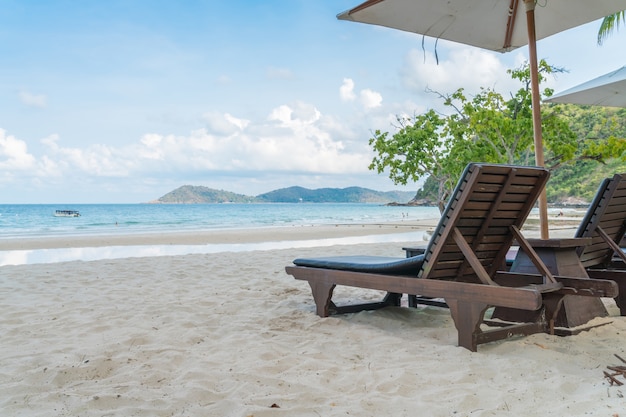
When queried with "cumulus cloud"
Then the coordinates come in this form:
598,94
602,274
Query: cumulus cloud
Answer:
371,99
32,100
293,137
346,91
299,137
14,153
93,161
293,140
467,67
241,124
51,141
224,123
150,147
296,114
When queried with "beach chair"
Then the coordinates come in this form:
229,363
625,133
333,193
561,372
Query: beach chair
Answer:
605,223
462,261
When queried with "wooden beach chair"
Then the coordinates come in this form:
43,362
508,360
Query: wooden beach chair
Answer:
605,223
462,261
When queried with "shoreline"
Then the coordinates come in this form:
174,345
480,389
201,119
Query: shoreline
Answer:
56,249
221,236
559,227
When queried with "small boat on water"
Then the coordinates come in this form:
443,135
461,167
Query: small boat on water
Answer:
66,213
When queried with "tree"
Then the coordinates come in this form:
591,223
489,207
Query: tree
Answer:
609,24
416,150
484,128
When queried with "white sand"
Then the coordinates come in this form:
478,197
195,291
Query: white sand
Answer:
232,335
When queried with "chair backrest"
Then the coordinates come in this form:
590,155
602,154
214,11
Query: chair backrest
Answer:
607,211
487,201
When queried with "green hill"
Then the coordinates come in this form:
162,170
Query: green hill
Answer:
190,194
334,195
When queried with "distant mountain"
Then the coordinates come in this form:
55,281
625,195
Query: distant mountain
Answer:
190,194
334,195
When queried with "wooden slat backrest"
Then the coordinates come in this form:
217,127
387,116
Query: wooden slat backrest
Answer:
488,200
607,211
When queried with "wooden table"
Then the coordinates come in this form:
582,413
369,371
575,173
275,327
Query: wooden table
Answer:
561,258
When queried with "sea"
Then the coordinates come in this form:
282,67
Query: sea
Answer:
38,221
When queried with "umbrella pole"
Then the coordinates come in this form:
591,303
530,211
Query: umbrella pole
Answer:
536,110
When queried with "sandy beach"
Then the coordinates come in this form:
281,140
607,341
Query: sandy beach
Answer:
230,334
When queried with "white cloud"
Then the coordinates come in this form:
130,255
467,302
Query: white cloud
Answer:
296,114
239,123
293,138
467,67
94,161
151,148
346,91
14,154
371,99
224,123
295,142
32,100
50,141
300,138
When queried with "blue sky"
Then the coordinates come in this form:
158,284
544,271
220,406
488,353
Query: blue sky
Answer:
123,101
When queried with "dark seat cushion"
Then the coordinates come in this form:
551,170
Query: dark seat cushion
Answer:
372,264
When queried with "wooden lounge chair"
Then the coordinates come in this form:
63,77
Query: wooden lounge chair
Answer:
605,223
461,262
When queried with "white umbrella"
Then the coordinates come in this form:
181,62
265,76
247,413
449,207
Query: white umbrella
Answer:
498,25
607,90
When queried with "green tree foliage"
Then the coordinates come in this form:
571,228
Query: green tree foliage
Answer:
489,128
601,134
609,24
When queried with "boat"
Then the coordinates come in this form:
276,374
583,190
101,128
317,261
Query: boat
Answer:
66,213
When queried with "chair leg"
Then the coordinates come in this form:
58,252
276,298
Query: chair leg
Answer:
322,294
552,304
392,299
467,318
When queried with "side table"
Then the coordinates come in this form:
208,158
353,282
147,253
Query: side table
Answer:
561,258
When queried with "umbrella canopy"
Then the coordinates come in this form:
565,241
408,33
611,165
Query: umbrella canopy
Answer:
498,25
607,90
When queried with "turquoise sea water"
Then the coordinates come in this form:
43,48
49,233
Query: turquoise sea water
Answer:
35,221
19,221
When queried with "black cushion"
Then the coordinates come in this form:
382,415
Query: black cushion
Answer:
359,263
